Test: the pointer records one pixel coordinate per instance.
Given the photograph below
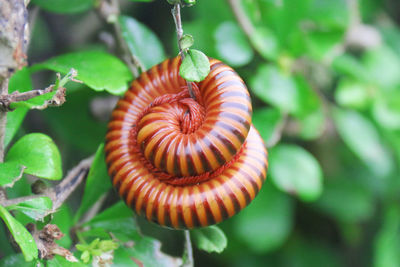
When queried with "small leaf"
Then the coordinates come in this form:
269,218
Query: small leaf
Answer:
295,171
186,41
97,182
21,82
98,70
210,239
387,243
346,199
35,208
276,88
23,238
352,94
267,120
64,6
195,67
142,42
363,139
38,153
265,42
266,224
232,45
9,173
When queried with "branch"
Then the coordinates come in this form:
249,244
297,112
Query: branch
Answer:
242,18
176,14
188,252
62,191
109,11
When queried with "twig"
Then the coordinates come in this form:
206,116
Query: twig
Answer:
176,14
188,253
242,18
62,191
3,118
109,10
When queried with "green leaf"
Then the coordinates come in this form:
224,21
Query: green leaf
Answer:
267,121
295,171
97,183
9,172
63,219
232,45
98,70
363,139
346,200
195,67
386,109
267,222
23,238
210,239
387,243
265,42
117,219
21,82
16,260
352,94
186,41
35,208
59,261
64,6
383,66
142,42
348,65
38,153
275,88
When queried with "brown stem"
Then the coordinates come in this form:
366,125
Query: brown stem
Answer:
62,191
176,14
3,119
242,18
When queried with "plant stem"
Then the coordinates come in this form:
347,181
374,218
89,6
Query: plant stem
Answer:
176,14
188,253
3,119
242,18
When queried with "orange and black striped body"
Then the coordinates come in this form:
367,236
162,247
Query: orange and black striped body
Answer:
185,163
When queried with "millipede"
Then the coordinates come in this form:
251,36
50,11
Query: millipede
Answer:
185,162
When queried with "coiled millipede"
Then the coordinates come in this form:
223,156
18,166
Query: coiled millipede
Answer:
180,162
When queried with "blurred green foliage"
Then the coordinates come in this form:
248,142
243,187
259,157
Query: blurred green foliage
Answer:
324,76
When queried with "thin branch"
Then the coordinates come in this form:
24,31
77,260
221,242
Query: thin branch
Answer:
109,11
62,191
242,18
3,119
188,252
176,14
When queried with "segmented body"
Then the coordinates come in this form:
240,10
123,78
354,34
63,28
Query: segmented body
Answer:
183,163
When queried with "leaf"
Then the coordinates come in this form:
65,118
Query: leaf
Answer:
195,67
387,243
97,183
117,219
142,42
348,65
295,171
346,200
352,94
23,238
35,208
386,109
383,66
59,261
232,45
363,139
38,153
21,82
275,88
98,70
210,239
265,42
16,260
64,6
267,222
267,121
9,173
186,41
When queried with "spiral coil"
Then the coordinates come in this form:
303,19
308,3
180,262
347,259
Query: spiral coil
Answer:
184,163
